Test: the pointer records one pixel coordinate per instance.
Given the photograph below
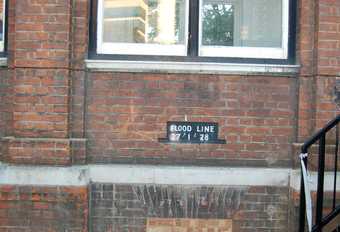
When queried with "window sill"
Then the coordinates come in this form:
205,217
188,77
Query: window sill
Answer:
3,61
191,67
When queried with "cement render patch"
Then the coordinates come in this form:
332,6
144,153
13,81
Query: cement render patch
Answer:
149,174
187,225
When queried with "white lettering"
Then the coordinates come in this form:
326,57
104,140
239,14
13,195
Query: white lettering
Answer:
174,137
204,137
173,128
205,129
180,128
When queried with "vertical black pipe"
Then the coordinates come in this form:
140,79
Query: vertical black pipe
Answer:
335,163
321,172
302,201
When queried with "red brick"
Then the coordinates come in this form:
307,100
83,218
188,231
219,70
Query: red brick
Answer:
23,213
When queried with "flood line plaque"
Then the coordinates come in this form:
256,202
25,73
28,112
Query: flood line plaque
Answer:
192,132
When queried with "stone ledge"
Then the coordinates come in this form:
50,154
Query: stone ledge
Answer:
192,67
81,175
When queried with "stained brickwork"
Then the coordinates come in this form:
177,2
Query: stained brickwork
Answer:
5,107
325,100
128,207
40,103
305,36
42,209
56,152
78,101
79,33
5,99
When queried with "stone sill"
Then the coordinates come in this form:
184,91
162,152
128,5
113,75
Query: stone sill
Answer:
192,68
81,175
3,61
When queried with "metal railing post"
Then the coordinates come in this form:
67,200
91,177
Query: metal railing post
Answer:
320,137
302,214
335,163
321,172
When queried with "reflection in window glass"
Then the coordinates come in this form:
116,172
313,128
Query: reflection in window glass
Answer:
218,23
242,23
144,21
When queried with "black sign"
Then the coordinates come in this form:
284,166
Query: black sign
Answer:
192,132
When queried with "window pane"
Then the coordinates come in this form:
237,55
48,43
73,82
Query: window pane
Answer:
242,23
218,23
144,21
2,20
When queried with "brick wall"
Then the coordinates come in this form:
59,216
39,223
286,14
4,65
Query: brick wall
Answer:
5,98
127,113
319,47
5,106
328,40
42,34
56,152
41,209
128,207
41,61
42,51
41,103
306,55
1,7
328,60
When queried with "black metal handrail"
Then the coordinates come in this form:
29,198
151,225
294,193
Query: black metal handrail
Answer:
320,137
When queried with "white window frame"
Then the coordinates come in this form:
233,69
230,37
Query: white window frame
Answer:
135,48
248,52
2,42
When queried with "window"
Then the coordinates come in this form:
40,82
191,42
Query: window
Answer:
244,28
194,29
152,27
2,25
